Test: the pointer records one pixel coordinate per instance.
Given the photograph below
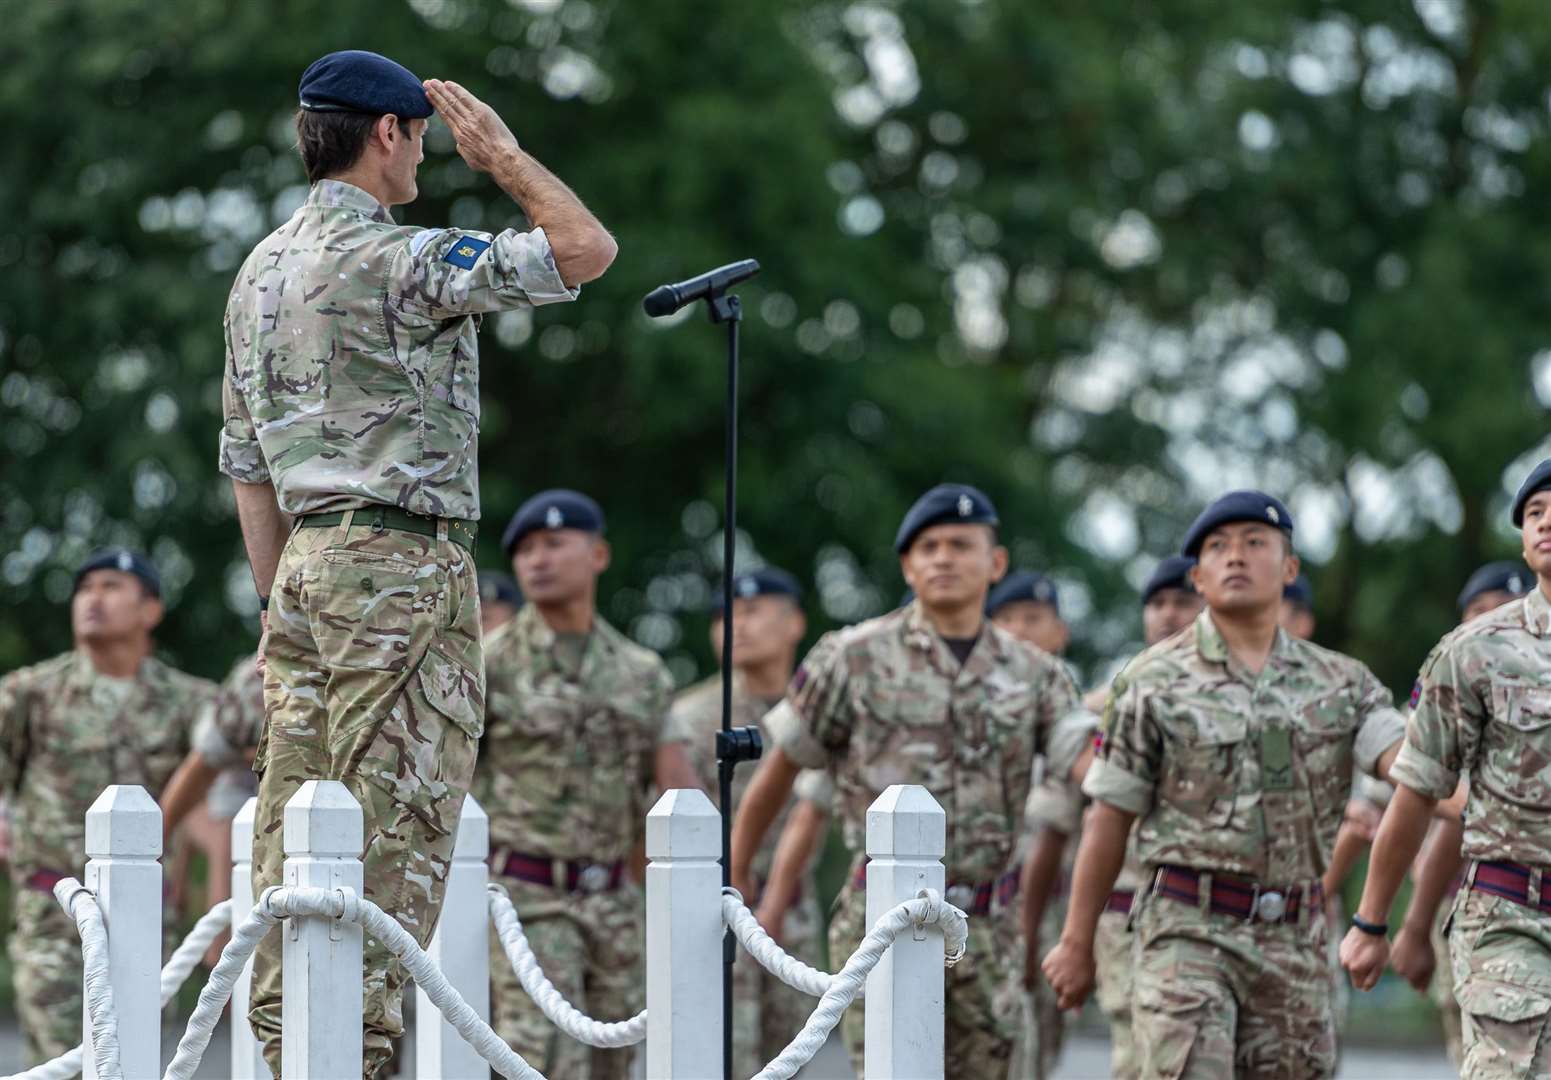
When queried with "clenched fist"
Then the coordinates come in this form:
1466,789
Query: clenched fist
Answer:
483,138
1069,970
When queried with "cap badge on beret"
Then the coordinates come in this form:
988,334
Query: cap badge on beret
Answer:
747,586
126,561
1273,515
553,518
966,506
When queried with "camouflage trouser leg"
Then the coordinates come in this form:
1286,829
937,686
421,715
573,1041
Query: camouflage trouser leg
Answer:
46,960
1217,997
1112,955
592,949
1443,990
982,1021
1502,978
375,678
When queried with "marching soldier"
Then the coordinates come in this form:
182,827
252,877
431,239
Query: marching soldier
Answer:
575,737
107,712
931,694
351,437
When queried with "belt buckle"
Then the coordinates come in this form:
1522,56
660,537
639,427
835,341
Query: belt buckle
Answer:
960,895
594,878
1270,906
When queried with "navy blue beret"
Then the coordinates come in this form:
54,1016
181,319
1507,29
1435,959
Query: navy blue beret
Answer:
1300,592
945,504
1509,577
1023,585
555,509
117,558
1233,507
769,581
1538,480
496,587
1172,572
363,82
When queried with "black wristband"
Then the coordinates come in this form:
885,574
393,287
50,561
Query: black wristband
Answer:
1376,929
263,603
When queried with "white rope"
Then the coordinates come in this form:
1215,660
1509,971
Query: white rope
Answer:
763,948
561,1013
81,906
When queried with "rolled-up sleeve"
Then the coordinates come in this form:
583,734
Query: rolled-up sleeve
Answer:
461,272
1125,772
820,726
1381,726
1054,804
1069,737
241,458
1445,727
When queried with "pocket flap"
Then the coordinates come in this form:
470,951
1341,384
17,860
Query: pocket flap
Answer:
1502,1001
454,691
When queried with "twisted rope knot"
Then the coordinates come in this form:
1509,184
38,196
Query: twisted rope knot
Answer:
930,909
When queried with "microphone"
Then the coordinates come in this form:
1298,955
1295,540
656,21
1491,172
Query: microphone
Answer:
666,299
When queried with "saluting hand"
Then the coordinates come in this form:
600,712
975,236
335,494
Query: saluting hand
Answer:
1070,971
482,137
1364,956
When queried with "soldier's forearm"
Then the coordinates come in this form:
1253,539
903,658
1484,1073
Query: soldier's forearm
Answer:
793,853
1441,860
264,530
1099,858
582,247
763,800
189,784
1400,835
1349,845
1040,870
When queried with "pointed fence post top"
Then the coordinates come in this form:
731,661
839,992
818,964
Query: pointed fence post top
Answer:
242,830
323,818
473,840
684,824
124,820
906,822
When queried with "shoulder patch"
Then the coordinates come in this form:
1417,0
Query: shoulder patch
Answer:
465,251
1416,692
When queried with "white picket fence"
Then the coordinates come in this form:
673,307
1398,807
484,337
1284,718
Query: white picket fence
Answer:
323,907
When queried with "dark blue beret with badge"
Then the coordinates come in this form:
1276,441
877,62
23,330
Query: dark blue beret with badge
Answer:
123,560
945,504
357,81
1172,572
498,588
1300,592
1538,480
559,508
1234,507
1508,577
1023,585
769,581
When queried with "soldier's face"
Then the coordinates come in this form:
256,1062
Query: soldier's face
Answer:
1038,624
1536,533
559,566
1487,601
949,566
112,605
1168,611
1243,567
765,629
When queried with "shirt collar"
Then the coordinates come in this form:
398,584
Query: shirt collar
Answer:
1210,643
1537,612
338,194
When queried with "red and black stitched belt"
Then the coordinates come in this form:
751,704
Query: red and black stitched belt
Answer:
1511,881
1120,901
1241,897
45,880
570,875
968,897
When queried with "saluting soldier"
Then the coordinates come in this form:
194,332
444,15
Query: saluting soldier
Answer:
351,437
107,712
931,694
1231,745
576,735
1483,707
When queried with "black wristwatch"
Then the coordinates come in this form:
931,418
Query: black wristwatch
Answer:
1377,929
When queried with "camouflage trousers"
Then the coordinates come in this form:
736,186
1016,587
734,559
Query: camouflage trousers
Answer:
1112,955
1443,990
1042,1025
46,961
766,1013
592,947
983,989
1502,979
1216,996
375,678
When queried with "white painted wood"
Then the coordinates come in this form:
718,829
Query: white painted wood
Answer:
321,1007
461,948
683,936
247,1051
123,843
906,839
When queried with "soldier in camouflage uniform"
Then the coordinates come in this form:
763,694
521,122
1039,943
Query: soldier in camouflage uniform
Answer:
576,735
1483,707
105,713
1231,744
768,624
352,413
931,694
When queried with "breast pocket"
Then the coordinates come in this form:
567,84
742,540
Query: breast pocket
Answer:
1202,760
1324,737
1519,761
618,744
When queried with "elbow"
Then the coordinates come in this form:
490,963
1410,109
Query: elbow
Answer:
589,257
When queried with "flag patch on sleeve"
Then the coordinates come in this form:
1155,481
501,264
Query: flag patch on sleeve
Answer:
465,251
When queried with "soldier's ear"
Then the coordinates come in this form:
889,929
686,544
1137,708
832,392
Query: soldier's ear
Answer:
602,555
151,612
999,561
1290,566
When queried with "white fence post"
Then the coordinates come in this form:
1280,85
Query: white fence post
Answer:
123,842
683,936
247,1052
906,838
461,948
320,1011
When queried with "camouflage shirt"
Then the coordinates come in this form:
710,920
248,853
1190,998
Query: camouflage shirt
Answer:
67,732
567,760
230,726
888,703
352,355
1483,705
1238,773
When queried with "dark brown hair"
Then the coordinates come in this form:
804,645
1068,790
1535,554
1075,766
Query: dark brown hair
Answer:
331,142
